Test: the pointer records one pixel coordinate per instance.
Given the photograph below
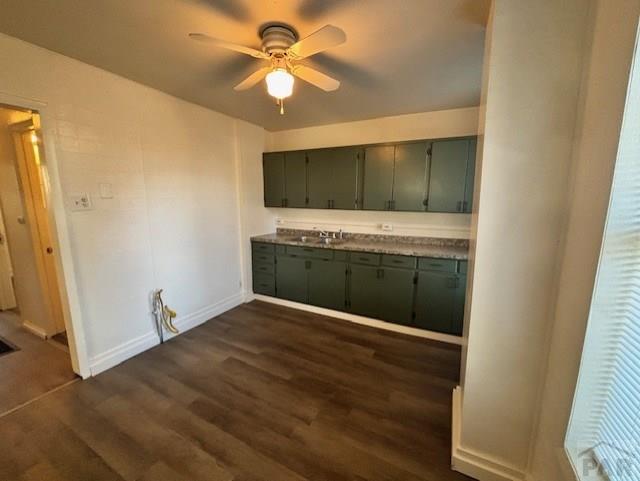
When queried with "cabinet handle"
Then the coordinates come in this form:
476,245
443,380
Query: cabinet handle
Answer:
459,206
396,261
307,265
425,202
365,259
464,205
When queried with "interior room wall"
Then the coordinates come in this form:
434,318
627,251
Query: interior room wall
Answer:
522,208
603,95
255,218
28,291
172,219
427,125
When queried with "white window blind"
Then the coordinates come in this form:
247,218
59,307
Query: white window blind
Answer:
604,434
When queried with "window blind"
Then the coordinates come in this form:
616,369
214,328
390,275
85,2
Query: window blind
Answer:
604,434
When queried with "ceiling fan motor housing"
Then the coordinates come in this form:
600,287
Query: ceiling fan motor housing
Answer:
277,38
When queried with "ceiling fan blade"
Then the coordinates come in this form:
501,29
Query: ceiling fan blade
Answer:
201,37
314,77
253,79
327,37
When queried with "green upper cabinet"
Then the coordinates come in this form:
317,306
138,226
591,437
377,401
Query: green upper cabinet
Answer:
333,178
377,191
448,182
410,176
295,179
273,171
395,177
415,176
471,173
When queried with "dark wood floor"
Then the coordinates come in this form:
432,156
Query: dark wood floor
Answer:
260,393
36,368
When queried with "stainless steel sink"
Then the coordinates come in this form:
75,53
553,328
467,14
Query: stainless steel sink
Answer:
304,239
330,241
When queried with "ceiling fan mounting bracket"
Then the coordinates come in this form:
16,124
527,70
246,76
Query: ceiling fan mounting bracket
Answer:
277,38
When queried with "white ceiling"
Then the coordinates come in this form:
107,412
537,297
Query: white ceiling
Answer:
401,56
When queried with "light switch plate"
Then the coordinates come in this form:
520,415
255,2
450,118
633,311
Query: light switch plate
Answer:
80,202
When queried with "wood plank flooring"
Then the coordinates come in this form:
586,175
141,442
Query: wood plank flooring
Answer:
35,369
261,392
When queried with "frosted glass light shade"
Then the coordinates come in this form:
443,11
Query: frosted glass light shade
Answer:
279,83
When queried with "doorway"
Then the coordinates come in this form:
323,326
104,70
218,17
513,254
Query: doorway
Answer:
35,357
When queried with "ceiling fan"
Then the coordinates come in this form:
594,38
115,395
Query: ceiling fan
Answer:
282,49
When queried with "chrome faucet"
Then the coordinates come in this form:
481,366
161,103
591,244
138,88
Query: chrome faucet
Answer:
323,234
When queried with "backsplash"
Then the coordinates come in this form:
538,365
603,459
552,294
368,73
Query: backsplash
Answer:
432,241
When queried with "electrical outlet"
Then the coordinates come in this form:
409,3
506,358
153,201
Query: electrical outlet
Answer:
386,227
80,202
106,191
279,221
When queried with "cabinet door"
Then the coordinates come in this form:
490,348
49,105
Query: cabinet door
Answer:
273,173
344,177
447,181
320,172
364,290
471,172
291,278
396,295
377,189
410,177
458,305
295,177
382,293
327,284
436,297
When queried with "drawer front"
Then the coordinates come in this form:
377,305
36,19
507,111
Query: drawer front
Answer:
310,252
399,261
365,258
433,264
260,248
340,256
462,267
263,268
264,284
259,257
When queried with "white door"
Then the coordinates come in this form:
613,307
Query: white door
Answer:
7,294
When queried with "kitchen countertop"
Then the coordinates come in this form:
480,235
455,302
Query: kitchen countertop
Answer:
457,249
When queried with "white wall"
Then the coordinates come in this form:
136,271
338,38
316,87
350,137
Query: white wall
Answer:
603,95
532,84
28,291
428,125
173,221
256,218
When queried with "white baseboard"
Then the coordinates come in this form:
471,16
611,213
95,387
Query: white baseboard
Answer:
367,321
133,347
33,329
474,464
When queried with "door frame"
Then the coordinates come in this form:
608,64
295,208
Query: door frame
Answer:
43,242
65,269
6,253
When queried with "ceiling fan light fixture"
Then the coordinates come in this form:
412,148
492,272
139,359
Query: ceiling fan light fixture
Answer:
279,83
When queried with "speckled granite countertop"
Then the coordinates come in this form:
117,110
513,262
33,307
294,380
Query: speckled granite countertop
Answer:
382,244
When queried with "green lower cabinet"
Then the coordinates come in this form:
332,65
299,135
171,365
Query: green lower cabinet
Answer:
382,292
440,301
291,278
327,284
